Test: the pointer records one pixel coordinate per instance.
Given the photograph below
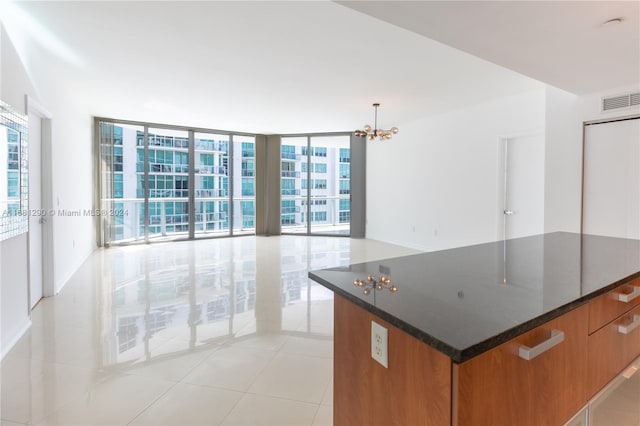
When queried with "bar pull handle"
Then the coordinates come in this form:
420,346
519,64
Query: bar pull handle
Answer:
626,298
626,329
525,352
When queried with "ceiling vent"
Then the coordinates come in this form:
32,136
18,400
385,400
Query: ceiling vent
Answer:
622,101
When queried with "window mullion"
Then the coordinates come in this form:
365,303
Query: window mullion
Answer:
146,184
230,180
308,185
191,184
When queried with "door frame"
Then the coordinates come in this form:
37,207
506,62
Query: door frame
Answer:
501,175
46,174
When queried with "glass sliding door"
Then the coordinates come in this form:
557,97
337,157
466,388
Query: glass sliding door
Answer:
162,183
293,184
329,185
316,184
244,185
121,148
167,183
212,172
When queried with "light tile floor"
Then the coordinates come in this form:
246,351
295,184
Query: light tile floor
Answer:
213,332
619,403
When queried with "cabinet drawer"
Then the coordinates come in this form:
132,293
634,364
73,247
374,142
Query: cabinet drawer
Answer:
612,348
534,379
611,305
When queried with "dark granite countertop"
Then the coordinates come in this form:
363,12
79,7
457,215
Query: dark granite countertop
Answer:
467,300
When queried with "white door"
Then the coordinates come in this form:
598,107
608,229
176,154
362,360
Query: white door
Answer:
35,206
611,185
523,186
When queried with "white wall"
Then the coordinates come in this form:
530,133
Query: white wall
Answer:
565,115
72,177
74,238
14,283
15,300
436,184
59,89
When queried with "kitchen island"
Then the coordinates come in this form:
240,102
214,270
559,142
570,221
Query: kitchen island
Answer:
522,331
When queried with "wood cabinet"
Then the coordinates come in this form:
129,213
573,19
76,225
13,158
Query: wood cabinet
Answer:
499,387
605,308
615,342
414,390
422,386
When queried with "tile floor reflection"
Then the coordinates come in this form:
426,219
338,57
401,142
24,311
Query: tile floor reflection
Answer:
619,403
211,332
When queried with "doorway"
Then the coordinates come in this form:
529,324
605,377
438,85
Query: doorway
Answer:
40,241
523,186
35,206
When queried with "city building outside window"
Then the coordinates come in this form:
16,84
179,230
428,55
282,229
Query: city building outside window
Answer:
168,186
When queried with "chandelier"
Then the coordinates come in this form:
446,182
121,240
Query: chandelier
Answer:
371,283
371,134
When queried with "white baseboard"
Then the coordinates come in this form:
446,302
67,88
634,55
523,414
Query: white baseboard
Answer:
11,343
58,286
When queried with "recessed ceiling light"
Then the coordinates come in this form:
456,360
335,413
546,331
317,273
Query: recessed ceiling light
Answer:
612,22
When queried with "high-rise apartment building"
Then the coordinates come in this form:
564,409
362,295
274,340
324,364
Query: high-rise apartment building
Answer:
162,173
150,176
10,156
315,184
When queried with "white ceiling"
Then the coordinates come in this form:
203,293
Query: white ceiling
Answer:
287,67
563,43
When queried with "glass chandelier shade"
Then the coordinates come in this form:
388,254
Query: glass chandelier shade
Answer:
373,133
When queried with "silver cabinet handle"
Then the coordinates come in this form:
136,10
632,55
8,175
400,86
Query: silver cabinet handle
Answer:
626,298
508,212
626,329
525,352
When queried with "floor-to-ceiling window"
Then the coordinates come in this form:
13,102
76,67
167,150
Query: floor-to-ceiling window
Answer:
212,172
167,204
244,189
121,182
168,182
163,182
10,192
292,193
315,184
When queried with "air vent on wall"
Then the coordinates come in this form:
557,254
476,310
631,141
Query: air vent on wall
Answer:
622,101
